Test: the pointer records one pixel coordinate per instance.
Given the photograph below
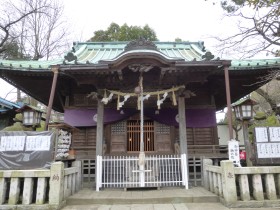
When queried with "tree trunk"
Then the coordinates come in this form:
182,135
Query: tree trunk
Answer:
269,100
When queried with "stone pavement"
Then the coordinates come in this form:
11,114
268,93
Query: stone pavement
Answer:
177,206
196,198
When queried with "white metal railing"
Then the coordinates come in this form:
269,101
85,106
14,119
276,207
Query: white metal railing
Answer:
124,172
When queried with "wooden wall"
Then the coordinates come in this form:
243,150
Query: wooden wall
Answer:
84,140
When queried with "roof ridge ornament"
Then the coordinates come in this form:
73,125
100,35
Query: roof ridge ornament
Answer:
140,44
208,56
70,57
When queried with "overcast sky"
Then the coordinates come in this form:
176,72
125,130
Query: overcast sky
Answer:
190,20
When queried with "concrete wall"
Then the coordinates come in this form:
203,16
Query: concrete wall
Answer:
223,135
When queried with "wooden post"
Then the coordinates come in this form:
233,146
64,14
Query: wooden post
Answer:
49,109
248,147
99,128
182,126
183,134
99,136
229,111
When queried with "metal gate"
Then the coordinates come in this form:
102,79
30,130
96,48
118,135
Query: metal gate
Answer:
124,172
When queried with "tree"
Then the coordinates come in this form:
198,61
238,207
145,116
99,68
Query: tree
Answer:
268,96
258,27
36,26
11,50
124,33
44,34
11,14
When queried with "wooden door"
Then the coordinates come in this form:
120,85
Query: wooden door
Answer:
133,135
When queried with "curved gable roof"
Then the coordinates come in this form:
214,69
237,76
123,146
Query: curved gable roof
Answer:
95,52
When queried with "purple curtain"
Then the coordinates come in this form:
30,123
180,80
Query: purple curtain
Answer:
194,117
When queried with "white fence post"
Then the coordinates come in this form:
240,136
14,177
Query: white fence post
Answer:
98,177
184,170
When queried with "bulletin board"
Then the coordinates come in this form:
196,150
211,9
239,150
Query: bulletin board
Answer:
26,149
267,145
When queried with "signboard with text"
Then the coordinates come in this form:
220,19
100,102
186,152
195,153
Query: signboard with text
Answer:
267,145
233,152
26,149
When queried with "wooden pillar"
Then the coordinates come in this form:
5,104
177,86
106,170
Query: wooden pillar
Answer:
229,112
49,109
99,128
182,126
99,140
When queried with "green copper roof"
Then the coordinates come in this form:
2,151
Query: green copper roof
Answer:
29,65
94,52
254,63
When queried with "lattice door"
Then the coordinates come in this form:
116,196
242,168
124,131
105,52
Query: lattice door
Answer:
133,135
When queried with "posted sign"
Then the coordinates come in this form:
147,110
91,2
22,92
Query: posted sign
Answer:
233,152
267,144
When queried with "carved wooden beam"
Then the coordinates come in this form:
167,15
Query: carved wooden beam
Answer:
140,67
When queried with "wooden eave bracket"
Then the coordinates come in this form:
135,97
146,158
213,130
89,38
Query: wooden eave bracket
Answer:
120,74
163,71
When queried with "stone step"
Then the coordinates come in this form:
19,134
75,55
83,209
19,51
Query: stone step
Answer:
161,196
176,206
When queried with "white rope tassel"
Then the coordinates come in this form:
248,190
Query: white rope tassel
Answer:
125,99
146,97
160,101
105,100
174,99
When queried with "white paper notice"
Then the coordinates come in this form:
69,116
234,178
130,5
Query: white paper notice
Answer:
38,143
261,134
274,134
12,143
268,150
233,150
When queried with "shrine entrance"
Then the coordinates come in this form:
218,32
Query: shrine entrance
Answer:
133,136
